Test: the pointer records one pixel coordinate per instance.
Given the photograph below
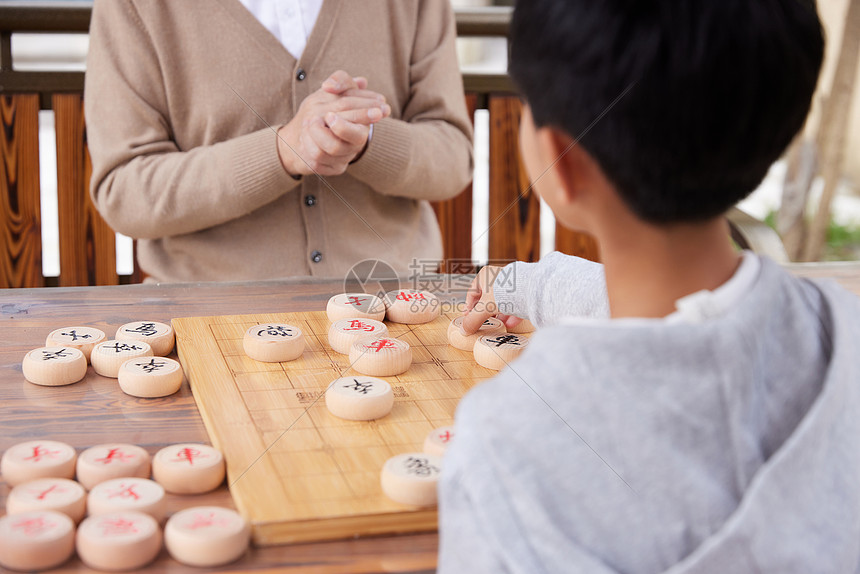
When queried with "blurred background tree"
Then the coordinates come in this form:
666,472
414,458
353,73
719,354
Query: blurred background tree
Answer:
831,136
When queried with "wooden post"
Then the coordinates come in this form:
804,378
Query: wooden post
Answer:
87,243
576,243
514,227
455,220
21,234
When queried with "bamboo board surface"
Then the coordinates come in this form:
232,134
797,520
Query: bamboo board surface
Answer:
295,471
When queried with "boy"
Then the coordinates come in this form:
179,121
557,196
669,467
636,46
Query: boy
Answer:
710,422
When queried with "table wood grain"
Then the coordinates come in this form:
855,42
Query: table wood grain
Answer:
95,411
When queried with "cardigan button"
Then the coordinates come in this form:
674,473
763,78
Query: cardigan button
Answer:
316,256
310,200
300,74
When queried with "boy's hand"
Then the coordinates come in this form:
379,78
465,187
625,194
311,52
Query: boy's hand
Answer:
331,127
481,303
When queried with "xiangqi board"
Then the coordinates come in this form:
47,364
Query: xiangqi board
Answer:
295,471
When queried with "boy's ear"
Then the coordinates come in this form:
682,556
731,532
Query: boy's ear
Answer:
565,160
575,171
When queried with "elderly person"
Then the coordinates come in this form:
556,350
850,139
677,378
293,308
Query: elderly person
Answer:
229,139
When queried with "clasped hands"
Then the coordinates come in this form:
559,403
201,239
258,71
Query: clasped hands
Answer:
331,128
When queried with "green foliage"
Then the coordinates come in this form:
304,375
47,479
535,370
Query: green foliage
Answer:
770,219
842,242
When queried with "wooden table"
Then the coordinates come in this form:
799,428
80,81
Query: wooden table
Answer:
96,411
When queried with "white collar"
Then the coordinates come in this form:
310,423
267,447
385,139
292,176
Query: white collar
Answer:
696,307
703,305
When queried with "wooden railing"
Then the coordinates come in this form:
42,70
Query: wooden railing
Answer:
87,243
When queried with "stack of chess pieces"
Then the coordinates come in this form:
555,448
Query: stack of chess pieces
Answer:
136,357
103,504
357,330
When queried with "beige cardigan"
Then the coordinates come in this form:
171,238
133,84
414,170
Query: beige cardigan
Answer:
179,99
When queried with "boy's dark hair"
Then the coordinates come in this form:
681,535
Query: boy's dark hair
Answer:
717,90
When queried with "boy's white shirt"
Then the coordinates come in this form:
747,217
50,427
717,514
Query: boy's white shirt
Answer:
733,422
290,21
698,306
